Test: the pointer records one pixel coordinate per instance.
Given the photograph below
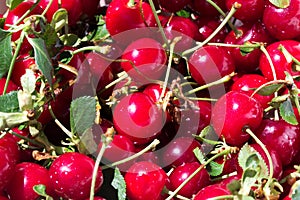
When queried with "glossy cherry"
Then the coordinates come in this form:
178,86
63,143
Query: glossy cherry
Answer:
280,136
182,172
281,64
174,5
27,175
283,23
137,117
145,181
232,113
11,85
210,63
145,60
71,176
206,9
211,191
90,8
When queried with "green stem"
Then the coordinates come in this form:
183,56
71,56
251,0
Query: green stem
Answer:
14,58
202,99
288,54
226,19
254,45
222,197
47,8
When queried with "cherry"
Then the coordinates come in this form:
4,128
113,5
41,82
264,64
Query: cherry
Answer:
281,64
232,113
182,172
247,84
145,181
27,175
3,198
174,5
146,60
11,85
249,11
210,63
211,191
230,163
179,151
256,32
206,9
90,7
74,12
280,136
287,27
71,175
137,117
97,198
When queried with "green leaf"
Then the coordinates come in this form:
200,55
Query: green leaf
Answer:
69,39
183,13
87,143
6,52
10,120
234,186
42,57
119,184
215,169
28,81
49,35
296,191
199,155
13,3
25,100
82,114
287,112
100,33
247,49
41,190
280,3
245,151
59,19
2,22
9,102
269,89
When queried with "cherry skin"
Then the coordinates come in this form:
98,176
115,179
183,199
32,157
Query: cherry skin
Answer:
34,174
288,25
251,10
232,113
280,136
206,9
148,56
182,172
145,181
174,5
71,176
210,63
281,64
11,86
3,198
90,7
211,191
137,117
247,83
247,63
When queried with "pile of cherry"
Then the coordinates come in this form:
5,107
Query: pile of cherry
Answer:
148,100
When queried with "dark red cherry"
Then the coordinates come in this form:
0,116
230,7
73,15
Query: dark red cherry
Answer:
71,176
250,10
211,191
206,9
280,136
11,85
145,60
145,181
90,7
247,62
138,117
281,63
283,23
3,198
23,62
248,83
27,175
173,5
232,113
210,63
182,172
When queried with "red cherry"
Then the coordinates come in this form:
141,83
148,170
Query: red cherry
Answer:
71,176
211,191
182,172
206,9
174,5
148,57
144,181
11,85
210,63
27,175
288,25
281,64
137,117
280,136
232,113
90,7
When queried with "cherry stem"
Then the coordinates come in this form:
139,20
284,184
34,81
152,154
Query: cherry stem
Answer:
124,76
252,45
14,58
214,83
236,31
225,152
25,138
288,55
47,8
233,9
271,167
202,99
151,146
222,197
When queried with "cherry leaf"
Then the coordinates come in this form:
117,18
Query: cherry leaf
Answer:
183,13
13,3
6,52
59,19
287,112
296,190
41,190
9,102
280,3
269,89
13,119
87,143
28,81
2,22
247,49
119,184
82,114
215,169
100,33
199,155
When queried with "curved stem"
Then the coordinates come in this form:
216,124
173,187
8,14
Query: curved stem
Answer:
252,45
47,8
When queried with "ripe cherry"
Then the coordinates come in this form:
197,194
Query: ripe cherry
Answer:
146,60
71,176
210,63
137,117
145,181
174,5
206,9
11,85
182,172
211,191
232,113
90,7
